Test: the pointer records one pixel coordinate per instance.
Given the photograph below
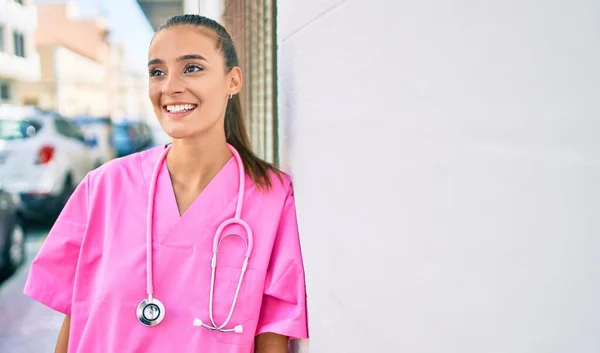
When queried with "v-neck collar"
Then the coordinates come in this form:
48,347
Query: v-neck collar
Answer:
219,181
217,198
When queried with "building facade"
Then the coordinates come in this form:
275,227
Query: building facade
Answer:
70,84
19,61
73,58
127,88
82,72
251,23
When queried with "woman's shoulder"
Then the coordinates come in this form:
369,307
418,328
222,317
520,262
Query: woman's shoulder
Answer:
130,167
281,183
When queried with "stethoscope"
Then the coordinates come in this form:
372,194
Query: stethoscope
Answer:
151,311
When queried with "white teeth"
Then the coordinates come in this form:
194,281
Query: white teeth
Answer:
180,108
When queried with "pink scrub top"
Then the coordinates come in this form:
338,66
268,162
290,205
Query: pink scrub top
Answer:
92,265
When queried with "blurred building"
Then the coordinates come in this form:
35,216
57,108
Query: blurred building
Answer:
252,26
19,61
82,72
127,88
73,55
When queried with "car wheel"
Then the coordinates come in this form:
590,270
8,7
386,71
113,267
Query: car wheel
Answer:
62,200
67,191
17,246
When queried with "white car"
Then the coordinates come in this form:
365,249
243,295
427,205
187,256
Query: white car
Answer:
43,157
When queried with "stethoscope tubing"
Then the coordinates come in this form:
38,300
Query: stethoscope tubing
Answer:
218,238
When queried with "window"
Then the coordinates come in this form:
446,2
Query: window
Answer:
1,38
67,129
32,102
252,23
19,44
4,91
18,129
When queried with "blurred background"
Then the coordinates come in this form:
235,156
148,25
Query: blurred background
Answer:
73,95
445,157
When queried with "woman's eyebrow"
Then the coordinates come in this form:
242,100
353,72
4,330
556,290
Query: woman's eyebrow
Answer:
181,58
191,57
154,62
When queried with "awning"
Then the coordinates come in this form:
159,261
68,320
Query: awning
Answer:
158,11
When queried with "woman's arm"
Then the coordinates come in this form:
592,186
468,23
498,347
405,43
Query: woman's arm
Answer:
270,343
63,336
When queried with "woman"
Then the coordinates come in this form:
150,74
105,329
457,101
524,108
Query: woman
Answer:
130,259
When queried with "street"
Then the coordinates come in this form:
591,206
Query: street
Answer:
25,325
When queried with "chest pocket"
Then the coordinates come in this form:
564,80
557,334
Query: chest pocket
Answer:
247,307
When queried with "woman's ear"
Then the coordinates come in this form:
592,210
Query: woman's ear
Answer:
235,82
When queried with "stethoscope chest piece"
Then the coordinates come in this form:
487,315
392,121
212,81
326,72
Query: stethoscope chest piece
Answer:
151,312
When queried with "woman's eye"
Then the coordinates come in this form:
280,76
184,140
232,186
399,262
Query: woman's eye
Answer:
156,72
193,68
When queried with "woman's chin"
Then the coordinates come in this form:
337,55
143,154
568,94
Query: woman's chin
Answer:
178,132
178,136
190,131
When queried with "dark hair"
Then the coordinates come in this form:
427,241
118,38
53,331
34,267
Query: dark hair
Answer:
235,126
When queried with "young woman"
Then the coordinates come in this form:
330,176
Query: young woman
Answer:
189,247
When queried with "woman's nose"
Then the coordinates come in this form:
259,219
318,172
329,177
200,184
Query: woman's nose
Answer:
172,85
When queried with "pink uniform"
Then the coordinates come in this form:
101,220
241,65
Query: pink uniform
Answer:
92,265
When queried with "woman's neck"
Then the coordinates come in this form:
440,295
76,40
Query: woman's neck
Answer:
194,163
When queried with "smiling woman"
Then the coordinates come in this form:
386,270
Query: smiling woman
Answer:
181,78
203,224
192,62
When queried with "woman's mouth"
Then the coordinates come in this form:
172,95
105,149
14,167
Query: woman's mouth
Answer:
179,110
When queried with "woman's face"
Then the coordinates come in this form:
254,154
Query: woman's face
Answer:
189,83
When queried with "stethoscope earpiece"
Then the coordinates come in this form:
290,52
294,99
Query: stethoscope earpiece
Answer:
198,323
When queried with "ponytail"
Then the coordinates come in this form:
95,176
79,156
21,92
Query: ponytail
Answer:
237,136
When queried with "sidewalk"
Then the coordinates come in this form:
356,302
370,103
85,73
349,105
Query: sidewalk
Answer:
25,325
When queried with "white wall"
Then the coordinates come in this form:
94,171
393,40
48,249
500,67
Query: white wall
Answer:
191,6
446,163
209,8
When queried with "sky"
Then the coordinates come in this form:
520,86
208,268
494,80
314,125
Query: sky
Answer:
127,24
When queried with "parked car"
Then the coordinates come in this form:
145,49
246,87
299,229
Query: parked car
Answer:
130,137
12,236
97,130
43,157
